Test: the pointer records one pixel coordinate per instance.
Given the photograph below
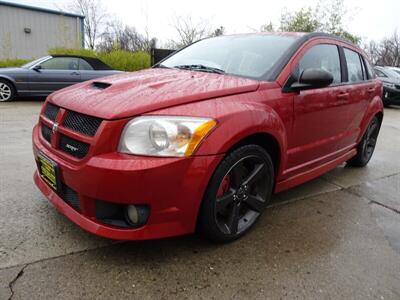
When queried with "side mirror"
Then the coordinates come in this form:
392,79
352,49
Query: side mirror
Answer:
313,78
37,68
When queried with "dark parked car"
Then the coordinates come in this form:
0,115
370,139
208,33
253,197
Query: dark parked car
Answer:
391,85
48,74
202,140
396,69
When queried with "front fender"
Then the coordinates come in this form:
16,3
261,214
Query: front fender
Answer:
9,78
239,124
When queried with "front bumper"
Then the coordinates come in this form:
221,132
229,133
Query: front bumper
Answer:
172,187
391,95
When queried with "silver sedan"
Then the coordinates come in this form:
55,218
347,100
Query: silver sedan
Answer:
48,74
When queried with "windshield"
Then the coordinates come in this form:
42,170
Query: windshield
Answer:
392,73
250,55
34,62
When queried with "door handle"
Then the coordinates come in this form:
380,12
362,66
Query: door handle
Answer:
75,73
342,96
370,90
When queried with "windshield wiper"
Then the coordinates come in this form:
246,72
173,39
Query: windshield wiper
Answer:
201,68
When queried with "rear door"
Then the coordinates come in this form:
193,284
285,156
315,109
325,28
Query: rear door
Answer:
361,88
54,74
320,114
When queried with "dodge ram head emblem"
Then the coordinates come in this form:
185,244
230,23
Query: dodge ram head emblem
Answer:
55,128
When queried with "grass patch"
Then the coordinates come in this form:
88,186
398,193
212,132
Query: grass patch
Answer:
13,62
116,59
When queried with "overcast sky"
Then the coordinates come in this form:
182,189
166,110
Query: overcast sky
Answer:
369,19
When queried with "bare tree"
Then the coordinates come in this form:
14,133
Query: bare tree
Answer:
189,31
267,27
118,36
372,50
218,31
386,52
95,18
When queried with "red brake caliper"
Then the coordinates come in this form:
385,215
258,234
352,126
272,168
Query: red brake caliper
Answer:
224,186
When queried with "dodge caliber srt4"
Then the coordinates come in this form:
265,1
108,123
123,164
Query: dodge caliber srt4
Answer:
202,140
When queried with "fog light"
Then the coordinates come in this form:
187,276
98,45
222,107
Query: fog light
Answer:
136,215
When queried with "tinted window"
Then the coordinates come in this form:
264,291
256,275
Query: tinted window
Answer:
380,74
354,67
32,63
324,57
60,63
244,55
84,65
370,71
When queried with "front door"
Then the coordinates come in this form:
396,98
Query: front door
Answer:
54,74
320,114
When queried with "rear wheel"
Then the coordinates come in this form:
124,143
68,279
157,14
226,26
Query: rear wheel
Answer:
237,194
366,147
7,91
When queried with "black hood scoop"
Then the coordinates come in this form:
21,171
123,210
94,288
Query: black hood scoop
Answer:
100,85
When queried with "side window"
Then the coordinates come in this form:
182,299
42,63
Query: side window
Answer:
84,65
370,70
379,73
324,57
60,63
354,67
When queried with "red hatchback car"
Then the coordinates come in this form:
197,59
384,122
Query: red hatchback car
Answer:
202,140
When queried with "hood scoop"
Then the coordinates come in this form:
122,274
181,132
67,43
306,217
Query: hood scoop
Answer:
100,85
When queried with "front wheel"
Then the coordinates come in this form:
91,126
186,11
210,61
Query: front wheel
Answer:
366,147
237,194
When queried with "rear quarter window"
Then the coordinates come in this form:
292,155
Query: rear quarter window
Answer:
84,65
370,70
354,67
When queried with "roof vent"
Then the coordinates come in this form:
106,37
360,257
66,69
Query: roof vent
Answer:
100,85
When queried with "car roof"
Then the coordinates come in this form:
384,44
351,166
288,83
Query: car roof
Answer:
94,62
304,36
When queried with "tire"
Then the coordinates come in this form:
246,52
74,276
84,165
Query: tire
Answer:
7,91
366,147
237,194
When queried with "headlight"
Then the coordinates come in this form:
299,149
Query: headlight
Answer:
164,135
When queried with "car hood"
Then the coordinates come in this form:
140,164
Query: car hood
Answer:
130,94
390,80
10,70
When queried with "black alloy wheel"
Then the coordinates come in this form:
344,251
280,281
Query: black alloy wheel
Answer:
366,147
238,193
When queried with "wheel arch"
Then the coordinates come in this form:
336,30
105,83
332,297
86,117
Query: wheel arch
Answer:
249,124
375,108
265,140
11,81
